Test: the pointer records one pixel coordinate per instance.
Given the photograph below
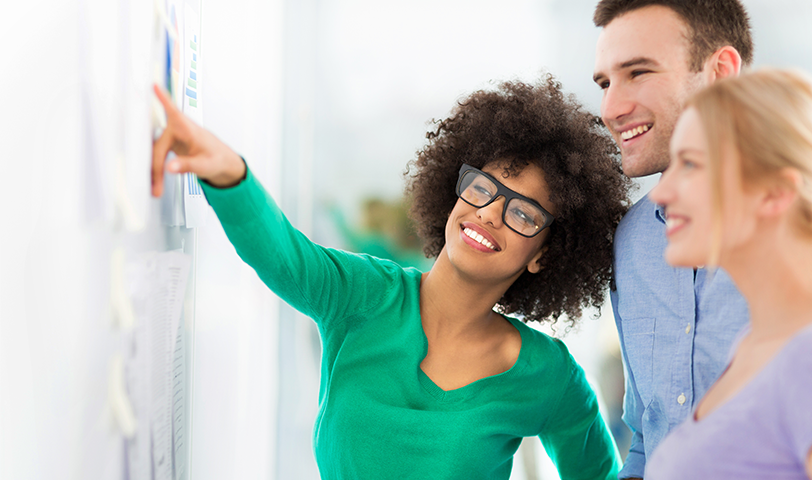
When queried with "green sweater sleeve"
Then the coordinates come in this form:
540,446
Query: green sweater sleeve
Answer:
325,284
576,437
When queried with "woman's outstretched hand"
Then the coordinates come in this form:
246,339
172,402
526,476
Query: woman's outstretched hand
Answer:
197,150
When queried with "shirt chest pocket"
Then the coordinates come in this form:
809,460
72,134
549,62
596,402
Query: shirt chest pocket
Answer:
638,337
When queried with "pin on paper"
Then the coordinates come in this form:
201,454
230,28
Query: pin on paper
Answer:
120,303
119,402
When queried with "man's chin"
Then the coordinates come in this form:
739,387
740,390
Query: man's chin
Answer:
636,167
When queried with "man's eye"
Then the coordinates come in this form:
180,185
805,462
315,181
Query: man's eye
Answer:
637,73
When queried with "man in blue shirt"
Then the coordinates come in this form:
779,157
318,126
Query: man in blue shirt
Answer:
676,325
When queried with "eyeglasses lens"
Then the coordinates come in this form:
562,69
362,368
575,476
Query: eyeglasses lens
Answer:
521,216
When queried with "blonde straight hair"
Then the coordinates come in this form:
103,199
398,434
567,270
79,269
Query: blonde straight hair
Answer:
764,119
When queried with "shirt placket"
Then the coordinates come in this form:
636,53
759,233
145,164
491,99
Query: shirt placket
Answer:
681,396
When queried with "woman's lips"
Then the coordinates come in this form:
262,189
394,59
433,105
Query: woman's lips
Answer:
674,223
478,238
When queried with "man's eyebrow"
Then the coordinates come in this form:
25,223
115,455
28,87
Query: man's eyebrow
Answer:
634,62
637,61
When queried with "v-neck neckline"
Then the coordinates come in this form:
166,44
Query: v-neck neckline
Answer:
467,390
769,365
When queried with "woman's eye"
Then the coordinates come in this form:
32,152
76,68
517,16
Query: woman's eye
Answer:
522,216
482,190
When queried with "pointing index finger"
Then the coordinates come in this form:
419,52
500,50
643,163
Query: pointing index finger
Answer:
169,107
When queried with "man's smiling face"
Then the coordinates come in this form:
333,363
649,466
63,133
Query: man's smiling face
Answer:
642,66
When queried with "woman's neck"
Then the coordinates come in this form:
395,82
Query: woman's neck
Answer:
774,273
453,305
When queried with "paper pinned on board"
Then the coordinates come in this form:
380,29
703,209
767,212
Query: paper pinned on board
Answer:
179,402
192,80
132,165
157,285
195,206
172,275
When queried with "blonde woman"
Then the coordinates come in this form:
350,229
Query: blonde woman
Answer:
738,195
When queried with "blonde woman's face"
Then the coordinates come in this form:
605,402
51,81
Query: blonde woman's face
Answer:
686,191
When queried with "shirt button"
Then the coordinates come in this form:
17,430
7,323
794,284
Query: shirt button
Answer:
688,328
681,398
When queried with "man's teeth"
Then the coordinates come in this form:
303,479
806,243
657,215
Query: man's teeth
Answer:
479,238
634,132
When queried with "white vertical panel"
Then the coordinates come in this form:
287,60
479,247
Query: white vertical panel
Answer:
235,384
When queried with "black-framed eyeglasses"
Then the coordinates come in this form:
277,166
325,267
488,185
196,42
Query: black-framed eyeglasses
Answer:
521,214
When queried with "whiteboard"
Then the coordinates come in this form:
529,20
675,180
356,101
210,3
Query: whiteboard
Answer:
97,301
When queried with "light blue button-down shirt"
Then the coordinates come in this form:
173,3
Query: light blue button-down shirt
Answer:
676,326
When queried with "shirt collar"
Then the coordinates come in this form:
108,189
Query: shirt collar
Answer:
659,212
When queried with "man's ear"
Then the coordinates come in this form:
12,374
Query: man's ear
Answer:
724,63
781,194
534,266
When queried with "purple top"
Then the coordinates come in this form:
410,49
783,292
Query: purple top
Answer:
763,431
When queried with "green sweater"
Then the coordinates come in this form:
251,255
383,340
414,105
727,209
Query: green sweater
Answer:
380,416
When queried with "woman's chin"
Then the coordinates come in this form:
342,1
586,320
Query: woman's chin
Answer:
678,257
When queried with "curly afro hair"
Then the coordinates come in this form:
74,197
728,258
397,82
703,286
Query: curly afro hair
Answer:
515,125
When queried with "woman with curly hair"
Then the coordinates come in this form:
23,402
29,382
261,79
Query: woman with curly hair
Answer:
517,195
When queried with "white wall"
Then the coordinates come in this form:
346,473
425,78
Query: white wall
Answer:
235,371
56,333
54,345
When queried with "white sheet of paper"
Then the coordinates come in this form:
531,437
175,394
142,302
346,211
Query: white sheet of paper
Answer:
102,64
196,209
133,164
192,105
172,274
139,275
157,285
179,420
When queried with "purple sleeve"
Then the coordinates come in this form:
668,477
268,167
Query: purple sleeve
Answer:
796,388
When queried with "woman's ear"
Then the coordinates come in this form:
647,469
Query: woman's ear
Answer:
535,263
780,194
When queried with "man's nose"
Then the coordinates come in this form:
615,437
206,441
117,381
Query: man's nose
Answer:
617,102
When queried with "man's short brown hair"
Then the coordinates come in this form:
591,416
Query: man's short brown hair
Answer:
712,24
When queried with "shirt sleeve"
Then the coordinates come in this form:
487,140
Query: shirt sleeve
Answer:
576,437
323,283
633,407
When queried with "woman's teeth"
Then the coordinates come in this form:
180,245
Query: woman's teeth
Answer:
671,222
470,233
631,133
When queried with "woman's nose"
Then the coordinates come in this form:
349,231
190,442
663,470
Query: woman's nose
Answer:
492,213
663,192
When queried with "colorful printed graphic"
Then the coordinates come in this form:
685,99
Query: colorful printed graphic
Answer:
192,187
191,82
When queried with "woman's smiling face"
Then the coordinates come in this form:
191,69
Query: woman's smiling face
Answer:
478,242
686,191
